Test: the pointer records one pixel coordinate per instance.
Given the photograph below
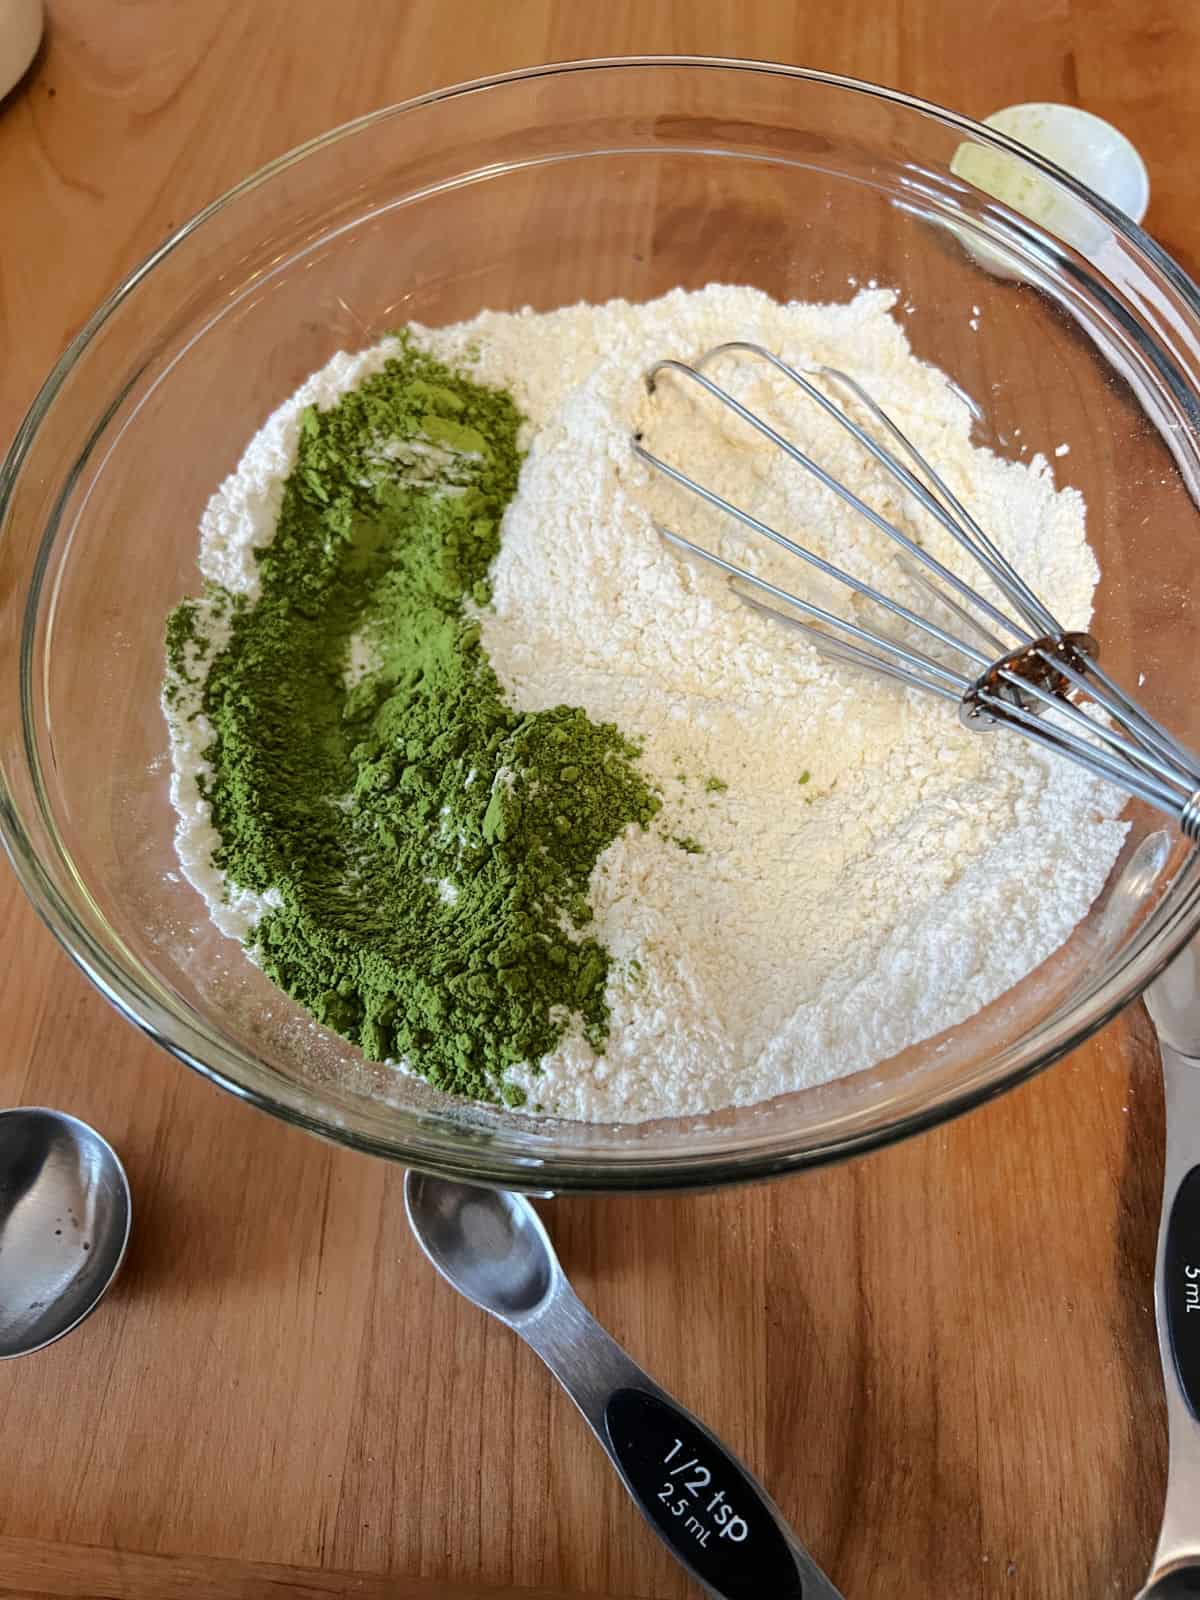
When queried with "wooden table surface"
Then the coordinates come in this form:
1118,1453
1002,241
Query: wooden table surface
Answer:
941,1359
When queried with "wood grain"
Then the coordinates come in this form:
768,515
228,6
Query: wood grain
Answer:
34,1570
941,1359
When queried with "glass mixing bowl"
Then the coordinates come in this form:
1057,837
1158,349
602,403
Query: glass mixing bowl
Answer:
541,188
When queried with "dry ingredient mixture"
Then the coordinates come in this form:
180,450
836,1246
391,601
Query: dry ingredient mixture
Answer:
495,785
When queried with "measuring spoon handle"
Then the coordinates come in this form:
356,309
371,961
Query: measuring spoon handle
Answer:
708,1510
1176,1568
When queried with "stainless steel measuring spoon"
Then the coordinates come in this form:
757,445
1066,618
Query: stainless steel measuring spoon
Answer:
64,1223
1173,1001
703,1504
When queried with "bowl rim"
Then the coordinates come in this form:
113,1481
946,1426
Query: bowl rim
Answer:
585,1171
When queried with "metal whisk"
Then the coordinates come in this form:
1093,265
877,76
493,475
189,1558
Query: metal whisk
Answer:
1017,662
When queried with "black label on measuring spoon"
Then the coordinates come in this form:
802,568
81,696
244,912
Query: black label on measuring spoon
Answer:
1182,1287
700,1500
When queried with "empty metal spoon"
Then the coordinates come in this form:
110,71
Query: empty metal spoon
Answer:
64,1223
1173,1001
703,1504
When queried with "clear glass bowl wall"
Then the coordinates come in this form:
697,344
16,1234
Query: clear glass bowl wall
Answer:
610,179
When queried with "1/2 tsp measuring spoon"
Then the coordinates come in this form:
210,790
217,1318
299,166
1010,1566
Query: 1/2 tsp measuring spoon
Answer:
706,1508
1173,1001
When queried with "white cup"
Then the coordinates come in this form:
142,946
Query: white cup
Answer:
1083,145
21,24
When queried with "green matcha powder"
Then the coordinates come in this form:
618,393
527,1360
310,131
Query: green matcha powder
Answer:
431,847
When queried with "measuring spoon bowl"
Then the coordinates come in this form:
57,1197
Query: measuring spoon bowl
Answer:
65,1215
489,1244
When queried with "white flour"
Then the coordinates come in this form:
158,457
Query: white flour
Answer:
871,873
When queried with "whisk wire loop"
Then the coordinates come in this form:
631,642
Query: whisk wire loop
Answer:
934,495
877,520
1022,596
744,517
1047,685
916,658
